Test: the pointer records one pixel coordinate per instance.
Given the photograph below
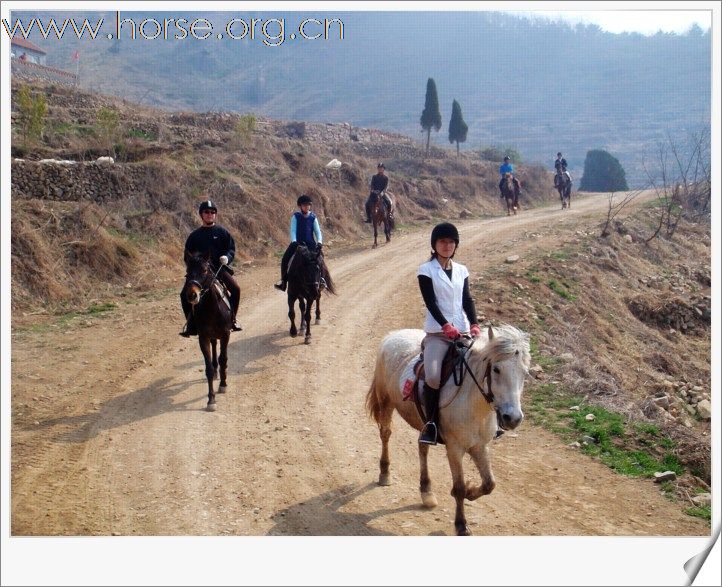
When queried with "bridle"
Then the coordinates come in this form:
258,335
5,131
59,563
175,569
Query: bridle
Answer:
199,285
461,367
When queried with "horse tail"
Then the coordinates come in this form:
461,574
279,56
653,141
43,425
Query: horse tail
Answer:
330,286
374,402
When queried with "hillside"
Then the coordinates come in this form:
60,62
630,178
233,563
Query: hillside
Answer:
536,85
89,230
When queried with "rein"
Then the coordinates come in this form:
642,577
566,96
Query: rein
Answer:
462,366
205,290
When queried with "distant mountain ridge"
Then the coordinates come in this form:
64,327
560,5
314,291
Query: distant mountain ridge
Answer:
537,86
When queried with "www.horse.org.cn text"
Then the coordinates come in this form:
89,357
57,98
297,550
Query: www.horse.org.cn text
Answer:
272,32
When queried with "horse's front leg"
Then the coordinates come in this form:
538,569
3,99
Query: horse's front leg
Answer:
307,318
223,361
455,454
214,361
376,234
318,308
205,344
480,456
302,313
292,316
427,495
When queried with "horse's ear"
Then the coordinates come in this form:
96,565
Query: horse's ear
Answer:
491,333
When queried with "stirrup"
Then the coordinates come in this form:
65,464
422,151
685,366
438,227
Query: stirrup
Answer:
184,334
426,436
236,327
322,284
281,286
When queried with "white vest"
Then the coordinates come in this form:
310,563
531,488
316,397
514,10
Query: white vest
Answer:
449,294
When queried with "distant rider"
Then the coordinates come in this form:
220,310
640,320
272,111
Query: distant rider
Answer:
507,167
304,229
379,183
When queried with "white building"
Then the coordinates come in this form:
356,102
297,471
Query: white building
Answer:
26,51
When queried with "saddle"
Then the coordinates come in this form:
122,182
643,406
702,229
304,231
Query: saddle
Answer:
451,364
223,292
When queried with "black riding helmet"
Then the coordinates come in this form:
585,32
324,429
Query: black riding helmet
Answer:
207,205
444,230
506,158
304,199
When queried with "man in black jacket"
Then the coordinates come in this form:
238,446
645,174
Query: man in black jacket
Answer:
216,240
379,183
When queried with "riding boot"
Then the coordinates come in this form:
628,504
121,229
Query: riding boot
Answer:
190,328
430,432
281,285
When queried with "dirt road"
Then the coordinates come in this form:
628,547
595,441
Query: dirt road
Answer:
110,435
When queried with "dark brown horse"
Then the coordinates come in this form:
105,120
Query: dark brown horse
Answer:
382,212
212,317
308,276
510,194
563,183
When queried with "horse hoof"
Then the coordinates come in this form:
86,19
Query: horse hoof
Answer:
293,333
318,321
222,389
384,479
463,530
429,499
307,340
211,407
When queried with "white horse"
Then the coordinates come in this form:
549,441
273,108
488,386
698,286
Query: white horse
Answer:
499,360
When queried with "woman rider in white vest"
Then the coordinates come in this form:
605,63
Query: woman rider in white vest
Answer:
450,312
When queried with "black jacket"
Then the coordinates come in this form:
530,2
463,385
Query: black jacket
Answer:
379,182
214,239
562,162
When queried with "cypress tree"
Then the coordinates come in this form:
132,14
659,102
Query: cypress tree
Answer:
602,173
457,127
431,116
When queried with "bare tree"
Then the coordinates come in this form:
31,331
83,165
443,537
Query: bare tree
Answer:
682,180
614,208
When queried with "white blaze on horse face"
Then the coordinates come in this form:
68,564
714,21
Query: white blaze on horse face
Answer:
194,296
507,383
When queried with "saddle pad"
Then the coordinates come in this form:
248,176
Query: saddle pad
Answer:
223,293
406,381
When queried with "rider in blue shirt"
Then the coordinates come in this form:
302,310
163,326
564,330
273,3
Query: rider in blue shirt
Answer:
507,167
304,229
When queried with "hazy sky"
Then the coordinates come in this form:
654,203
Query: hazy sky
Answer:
642,21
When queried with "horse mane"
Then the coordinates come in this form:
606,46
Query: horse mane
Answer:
505,344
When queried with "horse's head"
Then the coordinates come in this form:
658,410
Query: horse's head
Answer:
308,266
504,359
199,274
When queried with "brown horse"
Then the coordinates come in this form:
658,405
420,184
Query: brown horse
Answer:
510,194
212,317
308,276
382,212
563,183
486,399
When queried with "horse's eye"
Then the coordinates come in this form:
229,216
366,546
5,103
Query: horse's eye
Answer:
496,370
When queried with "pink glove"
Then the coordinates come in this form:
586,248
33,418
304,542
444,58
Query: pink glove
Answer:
475,331
450,331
